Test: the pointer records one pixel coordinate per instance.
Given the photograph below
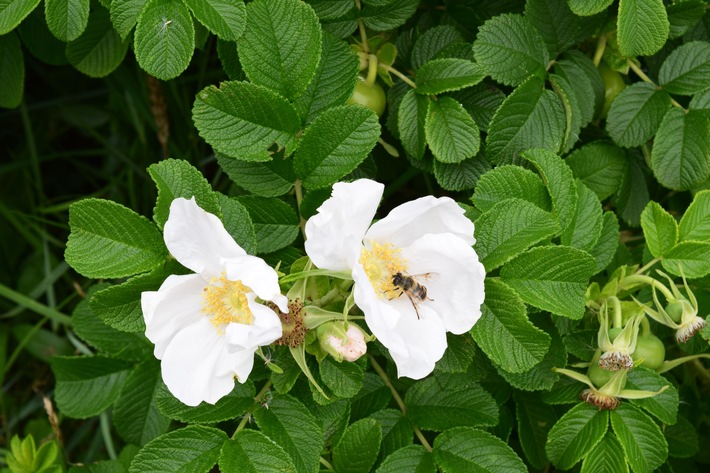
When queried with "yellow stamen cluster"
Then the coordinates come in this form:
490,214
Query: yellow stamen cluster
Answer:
381,263
225,302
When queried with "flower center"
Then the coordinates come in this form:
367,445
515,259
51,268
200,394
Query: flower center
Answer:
225,302
381,263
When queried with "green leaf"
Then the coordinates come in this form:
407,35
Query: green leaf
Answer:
99,50
531,117
194,448
693,257
642,27
124,15
686,70
552,278
510,50
590,73
388,15
560,183
242,120
578,84
467,449
268,179
636,113
679,158
120,306
396,431
509,181
330,9
275,222
12,12
411,122
632,196
87,385
447,74
288,423
253,452
684,15
588,7
643,443
600,166
37,38
177,178
344,378
12,71
66,19
108,340
358,448
509,228
450,131
108,240
481,101
238,223
575,435
535,419
164,39
450,400
432,42
695,223
333,82
553,19
226,19
573,113
231,406
586,225
663,406
411,458
373,396
659,228
605,248
505,334
606,457
135,413
682,439
281,46
337,141
460,176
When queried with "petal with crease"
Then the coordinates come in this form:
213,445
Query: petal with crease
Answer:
261,278
197,239
334,234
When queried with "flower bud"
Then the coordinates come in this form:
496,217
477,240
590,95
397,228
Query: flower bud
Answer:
341,343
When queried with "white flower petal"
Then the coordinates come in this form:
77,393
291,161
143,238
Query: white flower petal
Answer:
197,239
409,221
195,365
369,302
334,235
265,330
176,305
261,278
456,290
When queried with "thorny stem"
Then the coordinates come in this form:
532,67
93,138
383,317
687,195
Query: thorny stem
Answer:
257,403
398,400
637,70
599,52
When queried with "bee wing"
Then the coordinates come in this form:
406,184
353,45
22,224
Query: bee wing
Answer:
427,277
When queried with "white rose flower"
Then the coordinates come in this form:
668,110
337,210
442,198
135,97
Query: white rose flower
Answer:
206,326
427,242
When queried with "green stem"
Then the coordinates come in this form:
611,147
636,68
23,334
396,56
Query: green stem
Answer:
313,272
647,266
298,188
106,433
34,306
257,402
398,400
327,465
394,71
361,28
372,63
599,51
642,75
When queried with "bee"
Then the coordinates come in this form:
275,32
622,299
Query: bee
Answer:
415,291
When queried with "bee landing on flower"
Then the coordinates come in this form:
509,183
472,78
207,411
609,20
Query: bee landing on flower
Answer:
424,236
